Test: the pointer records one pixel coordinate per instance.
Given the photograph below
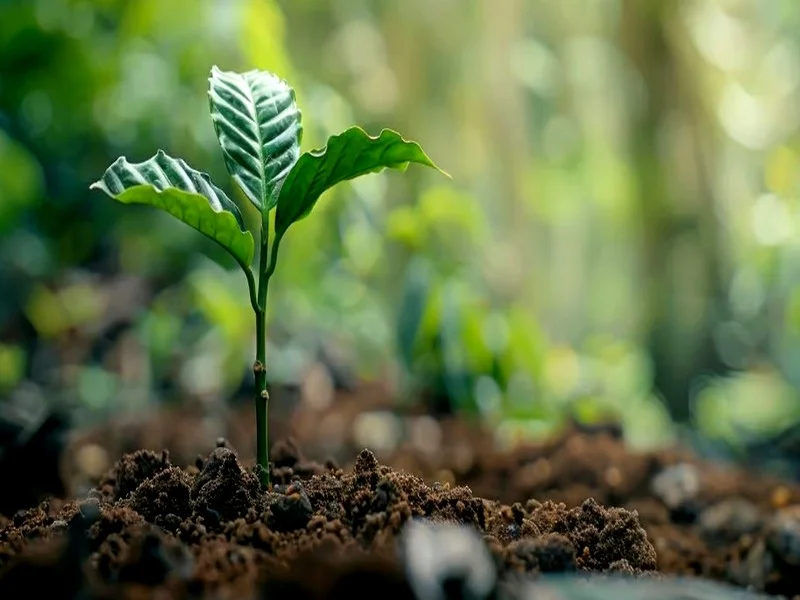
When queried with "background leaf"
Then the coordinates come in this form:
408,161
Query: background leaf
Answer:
172,185
258,125
348,155
413,302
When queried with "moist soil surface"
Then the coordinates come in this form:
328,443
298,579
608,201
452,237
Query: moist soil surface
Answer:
178,515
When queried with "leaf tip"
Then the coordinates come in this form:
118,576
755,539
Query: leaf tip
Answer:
391,133
101,186
214,74
443,172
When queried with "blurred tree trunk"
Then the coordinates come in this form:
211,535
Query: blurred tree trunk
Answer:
670,140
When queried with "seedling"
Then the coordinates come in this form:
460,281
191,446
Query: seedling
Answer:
259,129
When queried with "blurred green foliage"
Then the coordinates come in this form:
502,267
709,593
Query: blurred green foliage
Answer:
620,238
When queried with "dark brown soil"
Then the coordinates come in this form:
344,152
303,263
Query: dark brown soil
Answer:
208,528
581,503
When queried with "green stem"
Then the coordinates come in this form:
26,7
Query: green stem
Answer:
260,364
262,400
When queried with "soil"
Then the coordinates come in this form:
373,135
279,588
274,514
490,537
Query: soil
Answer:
163,522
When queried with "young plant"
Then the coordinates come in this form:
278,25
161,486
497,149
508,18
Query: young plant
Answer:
259,129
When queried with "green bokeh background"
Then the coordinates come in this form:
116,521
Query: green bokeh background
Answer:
620,238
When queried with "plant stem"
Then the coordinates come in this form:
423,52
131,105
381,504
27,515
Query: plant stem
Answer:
260,364
262,399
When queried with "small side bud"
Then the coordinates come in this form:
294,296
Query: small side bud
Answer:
258,367
264,395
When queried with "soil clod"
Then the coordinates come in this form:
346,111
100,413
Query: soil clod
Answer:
292,510
132,470
224,487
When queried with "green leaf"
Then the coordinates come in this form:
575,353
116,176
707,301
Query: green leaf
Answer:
348,155
259,128
172,185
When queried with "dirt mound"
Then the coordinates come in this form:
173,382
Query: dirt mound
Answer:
702,519
209,530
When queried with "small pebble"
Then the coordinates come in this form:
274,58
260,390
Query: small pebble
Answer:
292,511
676,486
729,520
440,556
